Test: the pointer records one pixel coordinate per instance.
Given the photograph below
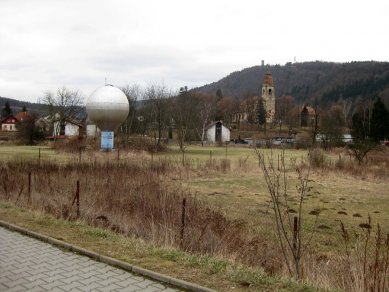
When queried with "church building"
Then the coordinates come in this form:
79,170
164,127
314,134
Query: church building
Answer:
247,117
269,98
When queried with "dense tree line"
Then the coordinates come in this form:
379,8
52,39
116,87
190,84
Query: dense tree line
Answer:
325,82
17,105
364,87
371,121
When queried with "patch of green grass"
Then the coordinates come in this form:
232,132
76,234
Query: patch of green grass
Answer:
97,232
25,152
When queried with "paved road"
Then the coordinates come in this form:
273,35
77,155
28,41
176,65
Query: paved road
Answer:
27,264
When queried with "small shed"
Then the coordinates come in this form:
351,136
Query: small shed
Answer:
9,123
69,129
217,132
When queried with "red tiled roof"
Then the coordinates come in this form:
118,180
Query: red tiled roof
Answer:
8,120
268,80
23,116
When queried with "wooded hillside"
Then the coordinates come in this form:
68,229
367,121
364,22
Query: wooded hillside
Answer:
321,82
17,105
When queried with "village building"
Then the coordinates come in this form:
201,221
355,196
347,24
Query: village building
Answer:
308,115
248,113
269,98
217,133
9,124
23,116
70,128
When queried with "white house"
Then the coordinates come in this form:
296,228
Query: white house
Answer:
217,132
9,124
70,129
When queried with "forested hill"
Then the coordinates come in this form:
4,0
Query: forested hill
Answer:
323,81
17,106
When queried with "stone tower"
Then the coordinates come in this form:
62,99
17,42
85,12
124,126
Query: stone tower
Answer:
269,98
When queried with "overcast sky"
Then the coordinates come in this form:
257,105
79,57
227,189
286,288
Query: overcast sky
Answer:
45,44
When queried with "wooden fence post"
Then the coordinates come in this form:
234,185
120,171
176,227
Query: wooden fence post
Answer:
78,198
295,231
226,150
29,188
183,222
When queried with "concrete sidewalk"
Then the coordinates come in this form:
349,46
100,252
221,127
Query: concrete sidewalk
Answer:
27,264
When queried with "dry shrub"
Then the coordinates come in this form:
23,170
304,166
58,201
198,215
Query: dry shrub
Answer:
69,144
317,158
216,165
136,200
303,141
244,164
362,266
143,143
375,166
366,262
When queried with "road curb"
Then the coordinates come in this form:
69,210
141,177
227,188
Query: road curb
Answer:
108,260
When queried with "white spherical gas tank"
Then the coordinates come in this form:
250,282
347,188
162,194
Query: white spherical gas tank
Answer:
107,107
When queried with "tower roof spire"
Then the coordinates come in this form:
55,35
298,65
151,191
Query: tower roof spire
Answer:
268,80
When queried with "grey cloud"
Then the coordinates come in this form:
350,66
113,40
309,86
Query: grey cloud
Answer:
138,58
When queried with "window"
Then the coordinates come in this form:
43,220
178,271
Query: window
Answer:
10,127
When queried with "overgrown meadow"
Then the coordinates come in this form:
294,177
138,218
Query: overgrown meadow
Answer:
215,201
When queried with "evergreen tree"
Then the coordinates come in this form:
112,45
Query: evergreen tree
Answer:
304,117
28,132
24,109
359,130
261,114
6,111
379,121
219,94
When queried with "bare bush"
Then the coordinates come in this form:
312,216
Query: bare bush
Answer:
135,200
317,158
71,144
366,262
287,227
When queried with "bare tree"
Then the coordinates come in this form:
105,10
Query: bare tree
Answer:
289,229
133,93
285,111
157,110
315,126
362,118
331,126
346,105
63,107
183,114
205,110
28,131
225,108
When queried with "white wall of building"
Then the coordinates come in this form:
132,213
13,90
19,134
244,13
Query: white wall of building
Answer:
70,129
92,130
211,134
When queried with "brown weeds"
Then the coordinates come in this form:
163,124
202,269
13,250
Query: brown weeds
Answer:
136,200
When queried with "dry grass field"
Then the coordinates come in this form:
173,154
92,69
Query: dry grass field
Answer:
227,214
